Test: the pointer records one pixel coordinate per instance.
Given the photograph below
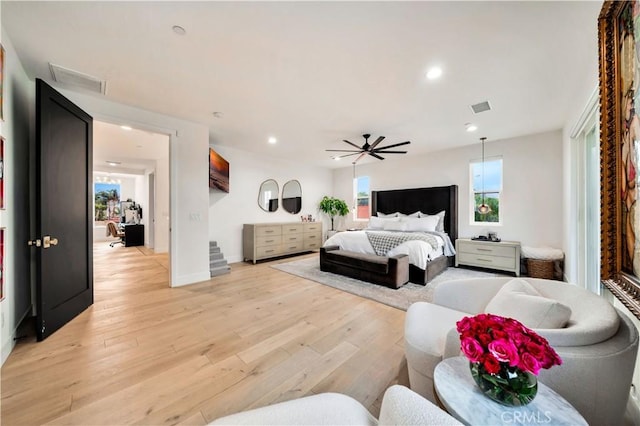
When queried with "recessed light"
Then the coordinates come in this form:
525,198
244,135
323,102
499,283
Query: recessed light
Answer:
336,158
125,127
434,72
179,30
272,140
471,127
113,163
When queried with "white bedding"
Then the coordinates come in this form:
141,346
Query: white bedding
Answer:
419,252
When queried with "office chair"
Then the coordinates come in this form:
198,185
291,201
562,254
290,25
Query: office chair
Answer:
113,231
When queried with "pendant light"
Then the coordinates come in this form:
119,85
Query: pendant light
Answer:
483,208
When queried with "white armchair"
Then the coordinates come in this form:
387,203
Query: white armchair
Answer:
598,345
400,406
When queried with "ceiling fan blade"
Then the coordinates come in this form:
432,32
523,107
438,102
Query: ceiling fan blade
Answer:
395,144
383,151
361,155
352,144
376,156
373,145
348,155
343,150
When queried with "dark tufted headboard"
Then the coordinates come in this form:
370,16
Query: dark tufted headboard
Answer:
426,200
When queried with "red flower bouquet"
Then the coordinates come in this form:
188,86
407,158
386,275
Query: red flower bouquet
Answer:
505,356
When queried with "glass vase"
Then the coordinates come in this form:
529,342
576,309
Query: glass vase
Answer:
511,386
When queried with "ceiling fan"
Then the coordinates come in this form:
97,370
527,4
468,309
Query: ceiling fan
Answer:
369,149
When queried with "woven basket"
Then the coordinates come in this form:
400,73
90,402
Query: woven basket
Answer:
538,268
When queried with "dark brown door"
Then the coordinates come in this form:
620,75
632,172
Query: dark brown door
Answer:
64,223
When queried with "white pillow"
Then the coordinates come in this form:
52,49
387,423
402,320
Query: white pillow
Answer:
378,222
422,224
520,300
414,214
440,216
394,225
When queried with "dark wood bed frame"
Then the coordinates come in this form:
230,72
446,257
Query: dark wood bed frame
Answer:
427,200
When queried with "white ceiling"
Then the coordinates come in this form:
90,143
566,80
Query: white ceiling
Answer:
314,73
135,150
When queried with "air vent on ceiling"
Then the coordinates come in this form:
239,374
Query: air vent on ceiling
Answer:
480,107
76,79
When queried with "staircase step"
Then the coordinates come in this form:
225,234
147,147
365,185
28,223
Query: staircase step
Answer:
215,256
217,263
214,250
213,243
220,271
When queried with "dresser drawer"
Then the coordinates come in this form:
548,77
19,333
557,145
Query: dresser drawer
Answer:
291,238
312,244
486,249
292,247
268,251
271,240
292,229
313,236
264,231
313,227
486,261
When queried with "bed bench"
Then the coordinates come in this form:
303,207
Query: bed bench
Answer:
388,271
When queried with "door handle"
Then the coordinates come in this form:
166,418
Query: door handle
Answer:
48,241
37,242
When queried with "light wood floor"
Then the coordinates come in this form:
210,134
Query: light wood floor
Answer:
145,353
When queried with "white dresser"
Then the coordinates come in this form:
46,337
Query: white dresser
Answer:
503,256
266,240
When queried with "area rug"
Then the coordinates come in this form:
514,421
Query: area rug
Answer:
400,298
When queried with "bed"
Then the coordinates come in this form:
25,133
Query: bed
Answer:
424,263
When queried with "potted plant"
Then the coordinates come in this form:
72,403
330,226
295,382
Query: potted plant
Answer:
333,207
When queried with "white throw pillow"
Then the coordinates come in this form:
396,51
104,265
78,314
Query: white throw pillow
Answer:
414,214
440,216
520,300
394,225
421,224
378,222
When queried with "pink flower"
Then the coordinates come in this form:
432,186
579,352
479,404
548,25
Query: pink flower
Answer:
529,363
504,351
471,349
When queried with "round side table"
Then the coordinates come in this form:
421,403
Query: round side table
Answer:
462,398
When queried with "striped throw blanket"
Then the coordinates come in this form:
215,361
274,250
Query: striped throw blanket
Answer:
382,241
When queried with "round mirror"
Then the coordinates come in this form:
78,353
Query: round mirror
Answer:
268,195
292,197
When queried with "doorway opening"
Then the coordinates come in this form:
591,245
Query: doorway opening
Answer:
131,189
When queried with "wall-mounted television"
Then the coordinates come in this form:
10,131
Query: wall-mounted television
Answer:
218,171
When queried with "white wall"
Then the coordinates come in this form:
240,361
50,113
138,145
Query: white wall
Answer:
531,203
229,211
188,181
19,103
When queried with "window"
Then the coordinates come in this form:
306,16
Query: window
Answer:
107,202
490,188
362,197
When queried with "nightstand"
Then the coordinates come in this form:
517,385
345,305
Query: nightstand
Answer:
503,256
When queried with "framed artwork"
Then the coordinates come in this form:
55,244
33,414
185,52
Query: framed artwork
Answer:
1,83
619,42
2,192
218,171
2,269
